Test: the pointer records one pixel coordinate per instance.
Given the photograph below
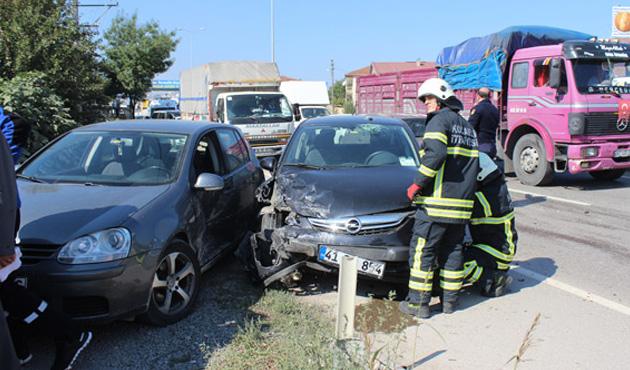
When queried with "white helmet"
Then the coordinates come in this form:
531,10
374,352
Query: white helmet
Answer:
436,87
486,166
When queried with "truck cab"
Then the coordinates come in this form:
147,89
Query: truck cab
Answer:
565,108
266,118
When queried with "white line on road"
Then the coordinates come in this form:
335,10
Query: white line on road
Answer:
572,290
551,197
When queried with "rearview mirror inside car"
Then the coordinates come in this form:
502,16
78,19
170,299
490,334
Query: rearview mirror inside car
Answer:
209,182
268,163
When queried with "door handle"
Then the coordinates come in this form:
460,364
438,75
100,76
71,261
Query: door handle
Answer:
532,104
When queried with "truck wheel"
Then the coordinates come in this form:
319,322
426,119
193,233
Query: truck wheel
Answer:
175,285
607,175
530,161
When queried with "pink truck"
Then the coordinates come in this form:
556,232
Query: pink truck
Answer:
564,98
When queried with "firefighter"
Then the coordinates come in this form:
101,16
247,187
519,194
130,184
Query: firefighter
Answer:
443,191
484,118
493,232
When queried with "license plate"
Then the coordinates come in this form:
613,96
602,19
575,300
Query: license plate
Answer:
622,153
329,255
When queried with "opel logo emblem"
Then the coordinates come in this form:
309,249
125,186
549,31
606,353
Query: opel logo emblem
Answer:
353,226
622,124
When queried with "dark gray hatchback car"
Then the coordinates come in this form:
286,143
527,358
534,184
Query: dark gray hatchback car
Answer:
121,218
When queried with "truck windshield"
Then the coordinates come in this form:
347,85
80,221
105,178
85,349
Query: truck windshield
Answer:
310,112
602,76
258,108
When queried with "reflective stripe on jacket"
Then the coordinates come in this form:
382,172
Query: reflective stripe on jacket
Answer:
448,168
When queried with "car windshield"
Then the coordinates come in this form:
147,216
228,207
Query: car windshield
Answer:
314,112
258,108
109,158
350,145
602,76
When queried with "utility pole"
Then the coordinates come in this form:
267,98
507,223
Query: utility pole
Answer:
332,81
273,41
75,10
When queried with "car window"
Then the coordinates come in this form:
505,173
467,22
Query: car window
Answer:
234,150
351,145
110,157
206,157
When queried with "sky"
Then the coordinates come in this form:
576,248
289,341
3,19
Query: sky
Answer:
354,33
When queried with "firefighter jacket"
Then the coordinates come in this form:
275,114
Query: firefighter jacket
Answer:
492,224
484,118
448,168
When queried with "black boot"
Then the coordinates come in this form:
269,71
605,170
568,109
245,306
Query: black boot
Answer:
496,285
414,309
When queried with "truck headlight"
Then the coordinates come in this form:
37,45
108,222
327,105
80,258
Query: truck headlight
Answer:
577,123
590,152
102,246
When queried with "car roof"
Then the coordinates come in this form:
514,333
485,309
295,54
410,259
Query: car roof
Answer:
352,120
154,125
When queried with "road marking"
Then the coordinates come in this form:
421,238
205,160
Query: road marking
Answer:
551,197
572,290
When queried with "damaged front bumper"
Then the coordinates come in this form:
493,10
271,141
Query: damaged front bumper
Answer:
279,252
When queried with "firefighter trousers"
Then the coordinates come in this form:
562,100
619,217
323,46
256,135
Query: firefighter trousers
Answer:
435,245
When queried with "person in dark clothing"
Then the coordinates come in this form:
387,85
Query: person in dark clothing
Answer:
443,192
484,118
25,310
8,209
493,232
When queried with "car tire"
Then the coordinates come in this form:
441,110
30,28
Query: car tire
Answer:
177,275
607,175
530,161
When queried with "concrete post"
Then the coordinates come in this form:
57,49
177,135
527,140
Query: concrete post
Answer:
346,297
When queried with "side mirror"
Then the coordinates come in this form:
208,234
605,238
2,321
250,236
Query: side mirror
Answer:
209,182
555,73
268,163
296,112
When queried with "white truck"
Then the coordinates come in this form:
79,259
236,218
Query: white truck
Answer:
310,97
244,94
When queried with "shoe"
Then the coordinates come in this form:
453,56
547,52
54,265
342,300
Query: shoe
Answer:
448,307
68,352
502,286
496,286
420,310
25,359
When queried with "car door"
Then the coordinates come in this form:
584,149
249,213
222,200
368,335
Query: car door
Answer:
212,209
239,179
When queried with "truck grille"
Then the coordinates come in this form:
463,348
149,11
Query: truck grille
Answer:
361,225
34,253
603,123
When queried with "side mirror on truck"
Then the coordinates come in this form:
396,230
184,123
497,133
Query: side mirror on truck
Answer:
555,73
296,112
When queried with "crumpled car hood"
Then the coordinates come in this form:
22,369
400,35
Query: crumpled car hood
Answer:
344,192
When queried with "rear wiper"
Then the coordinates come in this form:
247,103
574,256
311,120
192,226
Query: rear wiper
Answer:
30,178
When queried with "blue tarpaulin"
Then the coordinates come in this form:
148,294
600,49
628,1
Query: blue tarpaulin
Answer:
480,61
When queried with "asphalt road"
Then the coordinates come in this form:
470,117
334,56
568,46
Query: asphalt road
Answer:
572,267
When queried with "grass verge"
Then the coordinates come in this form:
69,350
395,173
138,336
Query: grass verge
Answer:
283,333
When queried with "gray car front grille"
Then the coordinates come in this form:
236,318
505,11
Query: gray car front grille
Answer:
361,225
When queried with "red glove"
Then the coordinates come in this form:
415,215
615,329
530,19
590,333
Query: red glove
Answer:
412,190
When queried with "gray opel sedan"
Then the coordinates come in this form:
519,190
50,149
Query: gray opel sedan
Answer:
120,219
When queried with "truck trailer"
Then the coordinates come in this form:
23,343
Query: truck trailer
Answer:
241,93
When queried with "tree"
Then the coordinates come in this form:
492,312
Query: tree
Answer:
43,36
134,54
338,94
29,94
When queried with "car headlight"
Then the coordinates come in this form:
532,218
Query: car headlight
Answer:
577,123
102,246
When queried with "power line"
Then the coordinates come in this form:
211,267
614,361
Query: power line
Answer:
75,5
